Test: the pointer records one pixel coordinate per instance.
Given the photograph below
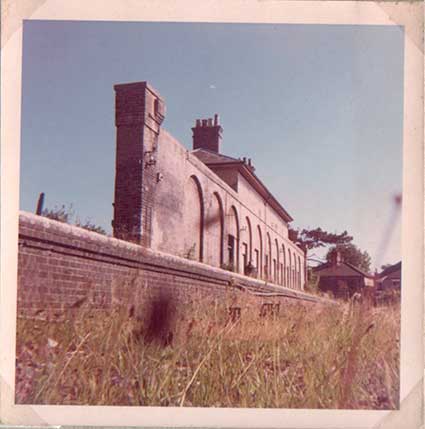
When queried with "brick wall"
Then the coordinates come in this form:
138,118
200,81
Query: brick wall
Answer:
139,112
60,265
157,206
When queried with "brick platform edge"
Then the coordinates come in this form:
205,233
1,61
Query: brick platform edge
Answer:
60,265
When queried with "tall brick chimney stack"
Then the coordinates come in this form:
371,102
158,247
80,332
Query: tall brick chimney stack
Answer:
139,112
207,134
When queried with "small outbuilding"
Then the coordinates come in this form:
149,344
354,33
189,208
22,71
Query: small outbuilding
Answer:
388,284
389,278
342,279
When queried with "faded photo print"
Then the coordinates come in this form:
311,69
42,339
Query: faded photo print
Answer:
210,215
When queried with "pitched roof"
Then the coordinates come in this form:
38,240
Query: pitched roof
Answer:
216,161
344,269
390,269
209,157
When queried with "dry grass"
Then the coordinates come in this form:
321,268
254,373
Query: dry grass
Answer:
307,356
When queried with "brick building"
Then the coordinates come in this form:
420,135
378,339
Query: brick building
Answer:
343,279
197,204
389,278
388,284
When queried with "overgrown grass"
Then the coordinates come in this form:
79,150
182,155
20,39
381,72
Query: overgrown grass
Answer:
307,356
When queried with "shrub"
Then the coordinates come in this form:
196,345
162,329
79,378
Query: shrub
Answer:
66,215
61,214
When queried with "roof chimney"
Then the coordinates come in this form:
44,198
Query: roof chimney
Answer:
207,134
336,258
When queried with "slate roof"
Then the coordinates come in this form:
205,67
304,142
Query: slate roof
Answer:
391,269
216,161
210,157
344,269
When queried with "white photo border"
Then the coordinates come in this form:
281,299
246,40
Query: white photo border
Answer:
406,14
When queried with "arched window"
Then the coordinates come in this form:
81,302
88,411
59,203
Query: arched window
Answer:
289,269
246,246
283,275
294,275
258,253
232,240
278,267
299,272
268,260
248,223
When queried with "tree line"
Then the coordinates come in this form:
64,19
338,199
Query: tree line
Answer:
310,239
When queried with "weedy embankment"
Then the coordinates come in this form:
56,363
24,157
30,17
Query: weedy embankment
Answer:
302,356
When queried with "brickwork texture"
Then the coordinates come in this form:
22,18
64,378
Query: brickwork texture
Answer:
62,265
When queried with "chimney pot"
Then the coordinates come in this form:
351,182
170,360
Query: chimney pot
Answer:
207,134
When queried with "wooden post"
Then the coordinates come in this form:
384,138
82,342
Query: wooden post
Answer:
40,204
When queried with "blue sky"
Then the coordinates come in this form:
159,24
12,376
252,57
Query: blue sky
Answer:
318,108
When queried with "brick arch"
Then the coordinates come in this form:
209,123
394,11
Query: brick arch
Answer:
277,270
299,272
283,273
214,225
220,204
246,244
194,215
289,269
233,230
268,261
259,265
248,223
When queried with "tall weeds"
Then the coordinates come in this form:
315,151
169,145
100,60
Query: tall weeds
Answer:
307,356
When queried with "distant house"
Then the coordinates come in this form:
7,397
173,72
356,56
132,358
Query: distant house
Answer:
342,279
388,284
389,278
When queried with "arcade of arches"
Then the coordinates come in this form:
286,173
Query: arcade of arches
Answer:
197,204
224,239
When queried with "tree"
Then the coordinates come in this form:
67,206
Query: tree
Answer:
351,254
313,238
61,214
66,214
90,226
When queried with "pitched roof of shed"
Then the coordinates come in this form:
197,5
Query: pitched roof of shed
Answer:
390,269
345,269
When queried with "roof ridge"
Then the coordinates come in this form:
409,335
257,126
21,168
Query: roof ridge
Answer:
357,269
392,268
328,264
199,149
